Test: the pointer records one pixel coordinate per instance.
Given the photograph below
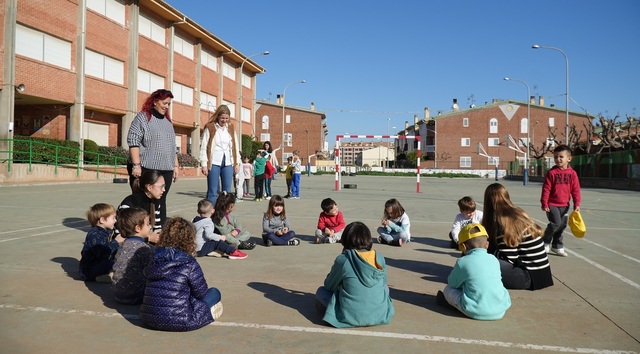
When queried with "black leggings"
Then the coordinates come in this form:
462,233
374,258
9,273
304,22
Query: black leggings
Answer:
514,277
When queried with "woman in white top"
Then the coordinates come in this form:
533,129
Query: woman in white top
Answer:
219,152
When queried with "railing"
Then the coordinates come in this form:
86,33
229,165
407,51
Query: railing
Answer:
24,151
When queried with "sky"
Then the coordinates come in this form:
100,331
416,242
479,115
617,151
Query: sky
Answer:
372,65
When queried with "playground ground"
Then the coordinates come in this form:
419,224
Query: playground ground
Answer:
268,298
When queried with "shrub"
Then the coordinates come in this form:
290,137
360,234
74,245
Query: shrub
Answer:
113,155
90,151
186,160
45,150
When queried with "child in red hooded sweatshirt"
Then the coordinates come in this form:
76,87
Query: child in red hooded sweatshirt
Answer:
330,222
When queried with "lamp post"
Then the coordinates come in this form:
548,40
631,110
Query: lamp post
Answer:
284,93
566,60
525,178
266,52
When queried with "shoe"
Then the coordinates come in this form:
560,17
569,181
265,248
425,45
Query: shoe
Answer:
216,310
293,242
237,255
246,245
319,240
559,252
239,200
399,242
547,248
104,278
216,253
330,240
441,301
268,243
287,196
268,198
382,241
258,199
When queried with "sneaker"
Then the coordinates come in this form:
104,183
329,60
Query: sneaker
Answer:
381,240
442,301
559,252
216,253
104,278
547,248
399,242
216,310
239,200
268,243
246,245
287,196
319,240
293,242
237,255
268,198
330,240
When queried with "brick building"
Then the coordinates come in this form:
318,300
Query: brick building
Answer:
304,129
350,150
87,72
450,140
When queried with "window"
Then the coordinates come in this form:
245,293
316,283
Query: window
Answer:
265,123
245,113
493,142
103,67
246,80
182,93
524,122
465,161
149,82
150,29
493,160
96,132
493,126
208,102
228,70
178,143
288,139
209,60
265,136
465,122
465,142
44,47
551,121
232,107
112,9
182,46
523,142
287,118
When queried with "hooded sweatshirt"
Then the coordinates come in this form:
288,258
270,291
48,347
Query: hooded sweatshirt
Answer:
360,292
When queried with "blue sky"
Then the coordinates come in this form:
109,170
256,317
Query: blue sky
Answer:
370,65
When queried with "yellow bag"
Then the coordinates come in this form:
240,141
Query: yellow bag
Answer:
578,228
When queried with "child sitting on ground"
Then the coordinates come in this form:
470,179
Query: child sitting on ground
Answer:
276,229
100,244
177,297
209,243
474,286
133,256
330,222
228,225
468,214
396,227
355,292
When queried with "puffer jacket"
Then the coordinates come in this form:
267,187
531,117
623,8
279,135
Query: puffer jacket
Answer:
173,297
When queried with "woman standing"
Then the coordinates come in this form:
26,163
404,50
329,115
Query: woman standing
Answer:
272,152
152,143
219,152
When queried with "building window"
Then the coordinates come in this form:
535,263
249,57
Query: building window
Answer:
103,67
551,121
465,161
265,137
149,82
245,113
246,80
232,107
112,9
228,71
524,124
182,46
44,47
208,102
287,118
265,123
465,142
182,93
150,29
465,122
493,126
493,160
493,142
209,60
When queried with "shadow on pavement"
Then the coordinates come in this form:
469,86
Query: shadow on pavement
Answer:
69,265
433,271
297,300
76,223
200,195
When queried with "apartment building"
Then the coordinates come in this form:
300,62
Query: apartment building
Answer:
350,150
86,67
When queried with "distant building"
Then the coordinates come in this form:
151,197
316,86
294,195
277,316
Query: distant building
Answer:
379,156
349,150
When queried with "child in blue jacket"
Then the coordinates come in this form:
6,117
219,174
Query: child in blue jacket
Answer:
100,245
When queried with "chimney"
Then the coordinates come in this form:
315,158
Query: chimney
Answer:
406,125
532,99
541,98
427,113
278,99
552,105
455,105
494,100
313,107
415,119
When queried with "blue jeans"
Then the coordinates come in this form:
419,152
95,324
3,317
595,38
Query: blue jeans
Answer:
295,185
213,297
278,240
267,186
217,173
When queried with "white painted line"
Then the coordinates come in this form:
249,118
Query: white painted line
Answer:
351,332
604,269
612,251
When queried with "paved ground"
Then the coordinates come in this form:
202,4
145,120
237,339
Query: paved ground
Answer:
268,298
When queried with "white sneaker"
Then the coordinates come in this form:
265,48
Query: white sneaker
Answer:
559,252
216,253
216,310
547,247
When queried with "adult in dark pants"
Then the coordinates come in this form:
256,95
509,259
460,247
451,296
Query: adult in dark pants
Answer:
152,143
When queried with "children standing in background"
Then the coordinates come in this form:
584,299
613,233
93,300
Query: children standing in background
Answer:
474,286
209,243
258,175
276,229
269,170
228,225
100,244
561,184
355,292
177,297
297,172
288,173
396,227
247,169
132,257
468,214
330,222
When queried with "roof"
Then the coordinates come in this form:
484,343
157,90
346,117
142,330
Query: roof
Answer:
300,109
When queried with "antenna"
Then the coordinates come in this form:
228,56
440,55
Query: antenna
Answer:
471,101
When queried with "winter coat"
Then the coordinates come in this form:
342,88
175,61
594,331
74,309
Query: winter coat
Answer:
176,287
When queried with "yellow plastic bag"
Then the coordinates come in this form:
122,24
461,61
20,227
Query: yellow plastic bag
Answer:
578,228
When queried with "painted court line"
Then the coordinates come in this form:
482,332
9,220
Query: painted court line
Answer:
333,331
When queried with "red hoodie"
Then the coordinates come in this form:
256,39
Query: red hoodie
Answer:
269,170
559,187
333,222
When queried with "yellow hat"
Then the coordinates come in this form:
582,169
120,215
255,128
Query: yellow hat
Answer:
576,224
466,234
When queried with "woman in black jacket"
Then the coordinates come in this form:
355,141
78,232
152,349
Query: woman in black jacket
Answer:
148,191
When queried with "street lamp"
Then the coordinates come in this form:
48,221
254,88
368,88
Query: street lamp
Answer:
284,93
525,178
566,60
266,52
